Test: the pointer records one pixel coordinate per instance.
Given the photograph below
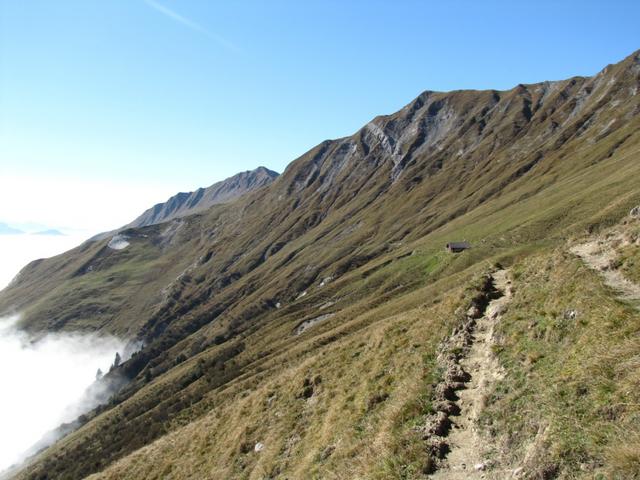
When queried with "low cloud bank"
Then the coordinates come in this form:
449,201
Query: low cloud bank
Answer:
46,383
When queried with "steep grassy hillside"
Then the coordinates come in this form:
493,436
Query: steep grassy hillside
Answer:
294,333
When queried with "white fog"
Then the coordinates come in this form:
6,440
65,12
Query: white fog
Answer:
41,382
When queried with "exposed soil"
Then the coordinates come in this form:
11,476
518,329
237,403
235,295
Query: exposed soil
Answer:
467,454
600,255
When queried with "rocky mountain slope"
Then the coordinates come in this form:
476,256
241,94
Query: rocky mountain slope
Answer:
225,191
295,333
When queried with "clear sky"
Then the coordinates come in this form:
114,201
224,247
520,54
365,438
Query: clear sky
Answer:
107,107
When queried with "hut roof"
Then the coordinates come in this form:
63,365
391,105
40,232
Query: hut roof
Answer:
458,245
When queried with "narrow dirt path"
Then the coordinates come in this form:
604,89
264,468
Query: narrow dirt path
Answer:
599,255
469,453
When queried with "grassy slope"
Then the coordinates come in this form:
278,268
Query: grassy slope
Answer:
369,367
572,383
232,418
559,374
100,287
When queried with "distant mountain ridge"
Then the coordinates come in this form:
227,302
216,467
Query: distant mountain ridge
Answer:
51,232
186,203
8,230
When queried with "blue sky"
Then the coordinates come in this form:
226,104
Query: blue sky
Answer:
168,95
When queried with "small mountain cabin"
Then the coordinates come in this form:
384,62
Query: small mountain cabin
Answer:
457,247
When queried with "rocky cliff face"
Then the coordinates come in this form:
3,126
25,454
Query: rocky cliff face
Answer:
225,191
348,239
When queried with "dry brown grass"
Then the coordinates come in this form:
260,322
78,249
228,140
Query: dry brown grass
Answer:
623,457
368,389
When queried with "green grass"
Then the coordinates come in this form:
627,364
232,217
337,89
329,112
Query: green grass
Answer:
571,379
629,260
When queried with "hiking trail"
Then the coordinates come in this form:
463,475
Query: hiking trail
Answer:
469,453
599,255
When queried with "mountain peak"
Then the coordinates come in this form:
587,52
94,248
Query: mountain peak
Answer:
263,170
225,191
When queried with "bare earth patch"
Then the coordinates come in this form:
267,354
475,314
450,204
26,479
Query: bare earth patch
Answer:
469,452
600,255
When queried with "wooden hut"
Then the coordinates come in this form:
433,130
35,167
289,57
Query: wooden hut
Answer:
457,247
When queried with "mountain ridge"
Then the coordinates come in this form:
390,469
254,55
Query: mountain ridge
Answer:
186,203
9,230
349,243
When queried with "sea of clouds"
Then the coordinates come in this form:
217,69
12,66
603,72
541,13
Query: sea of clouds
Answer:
43,383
